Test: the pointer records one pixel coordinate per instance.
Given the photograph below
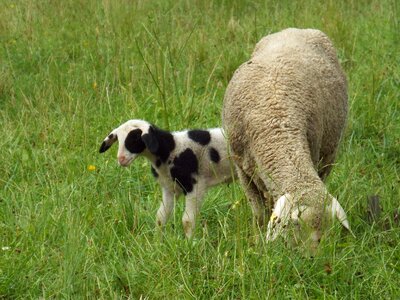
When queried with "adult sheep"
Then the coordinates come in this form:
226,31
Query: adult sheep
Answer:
284,113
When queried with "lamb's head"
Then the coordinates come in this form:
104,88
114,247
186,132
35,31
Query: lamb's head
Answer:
134,138
306,222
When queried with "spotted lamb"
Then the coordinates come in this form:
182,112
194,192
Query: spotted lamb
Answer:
183,162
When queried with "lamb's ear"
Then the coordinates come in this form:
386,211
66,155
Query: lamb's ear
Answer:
150,139
338,212
108,141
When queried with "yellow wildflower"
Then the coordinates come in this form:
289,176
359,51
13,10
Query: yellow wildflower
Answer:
91,168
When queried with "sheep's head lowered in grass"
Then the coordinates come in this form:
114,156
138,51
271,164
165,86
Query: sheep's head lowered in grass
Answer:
306,222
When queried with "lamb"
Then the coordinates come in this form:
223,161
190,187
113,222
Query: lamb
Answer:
184,162
284,112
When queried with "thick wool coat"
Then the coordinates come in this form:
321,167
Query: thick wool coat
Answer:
284,113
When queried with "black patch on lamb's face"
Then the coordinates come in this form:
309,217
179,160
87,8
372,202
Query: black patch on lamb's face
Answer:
202,137
185,165
133,141
154,172
214,155
159,142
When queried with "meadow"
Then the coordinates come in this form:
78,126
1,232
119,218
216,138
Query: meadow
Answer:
75,225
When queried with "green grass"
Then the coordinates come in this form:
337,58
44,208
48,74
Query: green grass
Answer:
72,70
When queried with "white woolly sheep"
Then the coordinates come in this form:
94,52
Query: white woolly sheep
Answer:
284,112
183,162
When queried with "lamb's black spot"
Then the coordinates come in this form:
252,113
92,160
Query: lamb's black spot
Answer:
111,136
184,166
158,163
214,155
169,162
154,172
159,142
202,137
133,141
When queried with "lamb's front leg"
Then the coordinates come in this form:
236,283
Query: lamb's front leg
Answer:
166,208
194,200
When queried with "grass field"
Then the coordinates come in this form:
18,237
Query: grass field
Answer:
72,70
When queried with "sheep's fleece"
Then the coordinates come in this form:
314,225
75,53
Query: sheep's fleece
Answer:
284,112
184,162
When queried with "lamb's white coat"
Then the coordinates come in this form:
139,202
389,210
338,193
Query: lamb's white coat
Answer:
209,173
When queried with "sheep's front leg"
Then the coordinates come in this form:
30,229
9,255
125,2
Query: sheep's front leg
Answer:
194,200
166,208
255,198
